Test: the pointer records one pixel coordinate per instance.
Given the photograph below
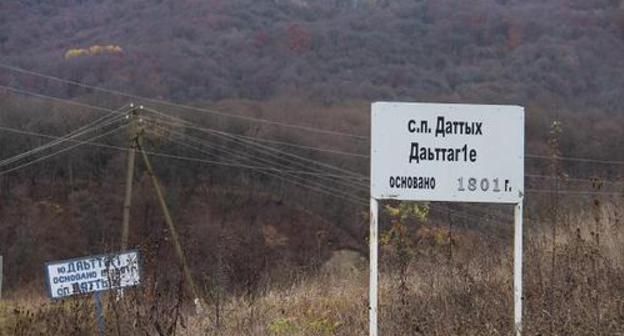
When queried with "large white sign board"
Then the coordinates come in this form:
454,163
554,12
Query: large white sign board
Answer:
92,274
447,152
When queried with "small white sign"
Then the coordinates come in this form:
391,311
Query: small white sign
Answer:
447,152
92,274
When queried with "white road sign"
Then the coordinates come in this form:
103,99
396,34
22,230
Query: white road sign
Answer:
92,274
447,152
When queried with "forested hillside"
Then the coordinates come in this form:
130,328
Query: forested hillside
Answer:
287,84
306,62
564,53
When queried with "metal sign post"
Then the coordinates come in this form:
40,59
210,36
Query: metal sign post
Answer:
99,311
1,277
518,231
446,153
374,276
374,267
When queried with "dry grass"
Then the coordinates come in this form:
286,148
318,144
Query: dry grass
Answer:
468,294
320,306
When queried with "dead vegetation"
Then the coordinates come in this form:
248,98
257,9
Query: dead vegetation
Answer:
429,292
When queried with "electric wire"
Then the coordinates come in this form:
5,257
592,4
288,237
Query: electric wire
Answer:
596,179
152,153
184,158
4,172
576,192
183,106
106,120
5,66
348,181
159,113
574,159
244,156
190,124
269,148
274,172
318,149
48,97
54,143
176,121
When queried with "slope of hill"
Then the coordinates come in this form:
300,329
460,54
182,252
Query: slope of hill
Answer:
556,52
316,63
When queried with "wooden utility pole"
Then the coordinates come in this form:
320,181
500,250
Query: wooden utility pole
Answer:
125,231
171,226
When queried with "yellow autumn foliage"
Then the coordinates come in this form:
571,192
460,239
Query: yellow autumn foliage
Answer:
93,51
96,50
71,53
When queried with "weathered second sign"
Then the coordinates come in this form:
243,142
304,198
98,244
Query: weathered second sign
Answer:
93,274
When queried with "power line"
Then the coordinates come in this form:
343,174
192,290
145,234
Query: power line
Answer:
153,153
287,170
188,107
275,150
67,101
250,157
193,126
575,159
266,170
576,192
268,155
83,105
318,149
205,143
256,161
259,120
262,169
60,151
274,159
236,165
188,124
275,172
5,66
576,179
103,122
